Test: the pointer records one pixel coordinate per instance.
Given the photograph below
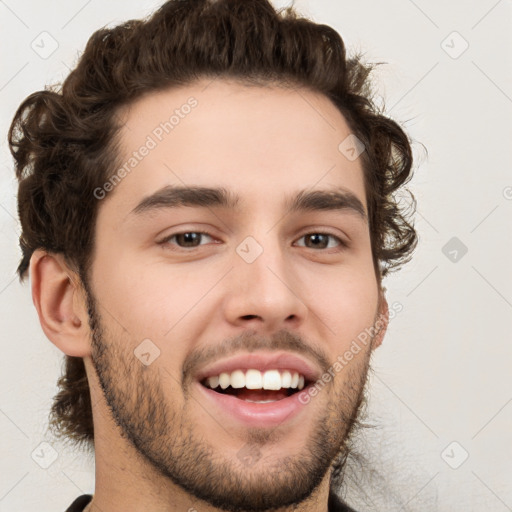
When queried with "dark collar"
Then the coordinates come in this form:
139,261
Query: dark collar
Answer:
80,503
334,504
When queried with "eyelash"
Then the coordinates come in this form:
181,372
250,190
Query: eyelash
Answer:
166,241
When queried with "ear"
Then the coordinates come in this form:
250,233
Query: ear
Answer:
382,320
60,303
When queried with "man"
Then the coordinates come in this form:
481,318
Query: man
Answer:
207,212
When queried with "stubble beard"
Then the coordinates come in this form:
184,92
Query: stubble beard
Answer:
168,440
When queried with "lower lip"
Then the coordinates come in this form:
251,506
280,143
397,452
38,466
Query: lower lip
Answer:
252,414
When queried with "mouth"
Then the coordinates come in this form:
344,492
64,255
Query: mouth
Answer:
257,389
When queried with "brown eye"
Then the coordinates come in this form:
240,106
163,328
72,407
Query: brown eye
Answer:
321,241
187,239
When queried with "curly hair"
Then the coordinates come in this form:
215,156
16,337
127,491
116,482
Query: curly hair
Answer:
64,139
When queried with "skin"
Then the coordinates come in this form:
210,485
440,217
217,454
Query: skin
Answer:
159,445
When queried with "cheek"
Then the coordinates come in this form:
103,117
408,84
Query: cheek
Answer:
149,299
345,301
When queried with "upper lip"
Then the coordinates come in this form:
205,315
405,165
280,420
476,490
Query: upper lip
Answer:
262,362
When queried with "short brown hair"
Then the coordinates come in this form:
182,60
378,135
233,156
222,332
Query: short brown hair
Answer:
64,139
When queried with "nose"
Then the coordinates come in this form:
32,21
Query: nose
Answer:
264,294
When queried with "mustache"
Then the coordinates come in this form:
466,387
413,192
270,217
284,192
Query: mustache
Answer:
252,341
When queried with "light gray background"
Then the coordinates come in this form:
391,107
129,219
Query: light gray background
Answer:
443,374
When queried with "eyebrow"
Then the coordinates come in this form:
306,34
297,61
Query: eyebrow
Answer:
207,197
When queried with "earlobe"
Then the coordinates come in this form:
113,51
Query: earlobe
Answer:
57,297
382,321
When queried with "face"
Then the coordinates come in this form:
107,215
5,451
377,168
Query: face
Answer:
236,245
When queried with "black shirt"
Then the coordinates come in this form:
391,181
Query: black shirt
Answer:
80,503
334,504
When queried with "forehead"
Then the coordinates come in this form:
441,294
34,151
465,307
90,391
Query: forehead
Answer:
259,141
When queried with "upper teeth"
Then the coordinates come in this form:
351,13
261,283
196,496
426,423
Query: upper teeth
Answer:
254,379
